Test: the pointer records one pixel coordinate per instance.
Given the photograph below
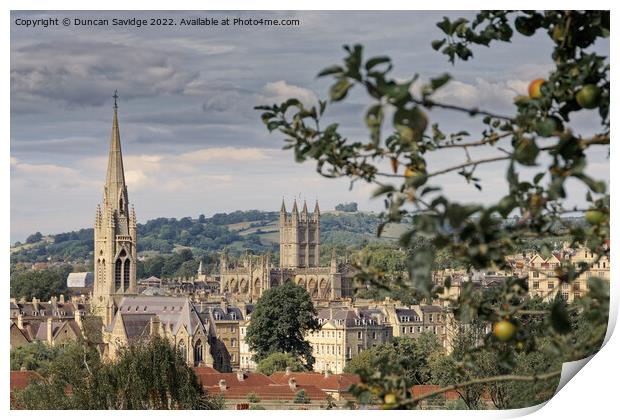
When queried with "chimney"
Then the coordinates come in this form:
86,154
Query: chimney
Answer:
54,301
50,338
292,383
77,315
22,300
62,299
327,374
20,321
240,376
222,384
35,303
154,325
287,372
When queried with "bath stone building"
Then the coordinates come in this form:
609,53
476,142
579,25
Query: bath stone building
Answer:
115,236
127,316
299,263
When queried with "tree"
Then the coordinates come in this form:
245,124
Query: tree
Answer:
347,207
278,362
33,356
34,238
301,397
42,284
148,374
280,320
394,159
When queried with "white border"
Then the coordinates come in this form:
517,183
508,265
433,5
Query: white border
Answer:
591,395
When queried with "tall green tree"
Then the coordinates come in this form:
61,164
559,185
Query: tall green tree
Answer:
280,321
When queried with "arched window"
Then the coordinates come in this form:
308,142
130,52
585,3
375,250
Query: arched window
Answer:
117,274
183,350
126,267
198,352
118,270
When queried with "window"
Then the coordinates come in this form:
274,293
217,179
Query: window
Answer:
576,286
233,342
564,285
550,285
535,274
359,335
410,330
232,329
535,285
404,330
577,295
430,318
374,335
565,295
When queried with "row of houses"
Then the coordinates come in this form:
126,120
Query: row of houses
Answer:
213,332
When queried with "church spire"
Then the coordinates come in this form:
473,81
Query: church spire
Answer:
115,180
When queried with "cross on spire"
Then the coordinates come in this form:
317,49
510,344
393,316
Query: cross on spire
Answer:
115,96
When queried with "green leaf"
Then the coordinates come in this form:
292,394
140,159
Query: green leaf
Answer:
339,90
410,123
383,189
526,151
376,61
437,44
438,82
445,26
330,70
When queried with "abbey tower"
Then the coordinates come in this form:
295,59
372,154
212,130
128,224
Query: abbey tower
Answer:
299,237
115,236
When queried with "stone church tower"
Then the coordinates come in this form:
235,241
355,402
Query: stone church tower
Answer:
299,237
115,236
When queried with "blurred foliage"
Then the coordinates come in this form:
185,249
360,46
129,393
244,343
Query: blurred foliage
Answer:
536,138
148,374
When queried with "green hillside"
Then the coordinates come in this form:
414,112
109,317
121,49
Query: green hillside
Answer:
240,231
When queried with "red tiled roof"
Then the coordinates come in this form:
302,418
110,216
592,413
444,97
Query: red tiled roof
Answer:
267,392
334,382
21,378
204,370
250,379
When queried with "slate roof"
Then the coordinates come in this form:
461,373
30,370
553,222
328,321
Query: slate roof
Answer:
174,312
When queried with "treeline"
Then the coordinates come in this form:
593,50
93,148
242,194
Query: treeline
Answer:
204,235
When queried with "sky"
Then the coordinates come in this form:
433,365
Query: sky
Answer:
192,142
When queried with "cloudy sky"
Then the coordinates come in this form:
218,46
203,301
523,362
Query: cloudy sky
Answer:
192,142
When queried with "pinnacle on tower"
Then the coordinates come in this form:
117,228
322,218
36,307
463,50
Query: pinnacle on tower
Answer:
295,212
304,212
316,213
